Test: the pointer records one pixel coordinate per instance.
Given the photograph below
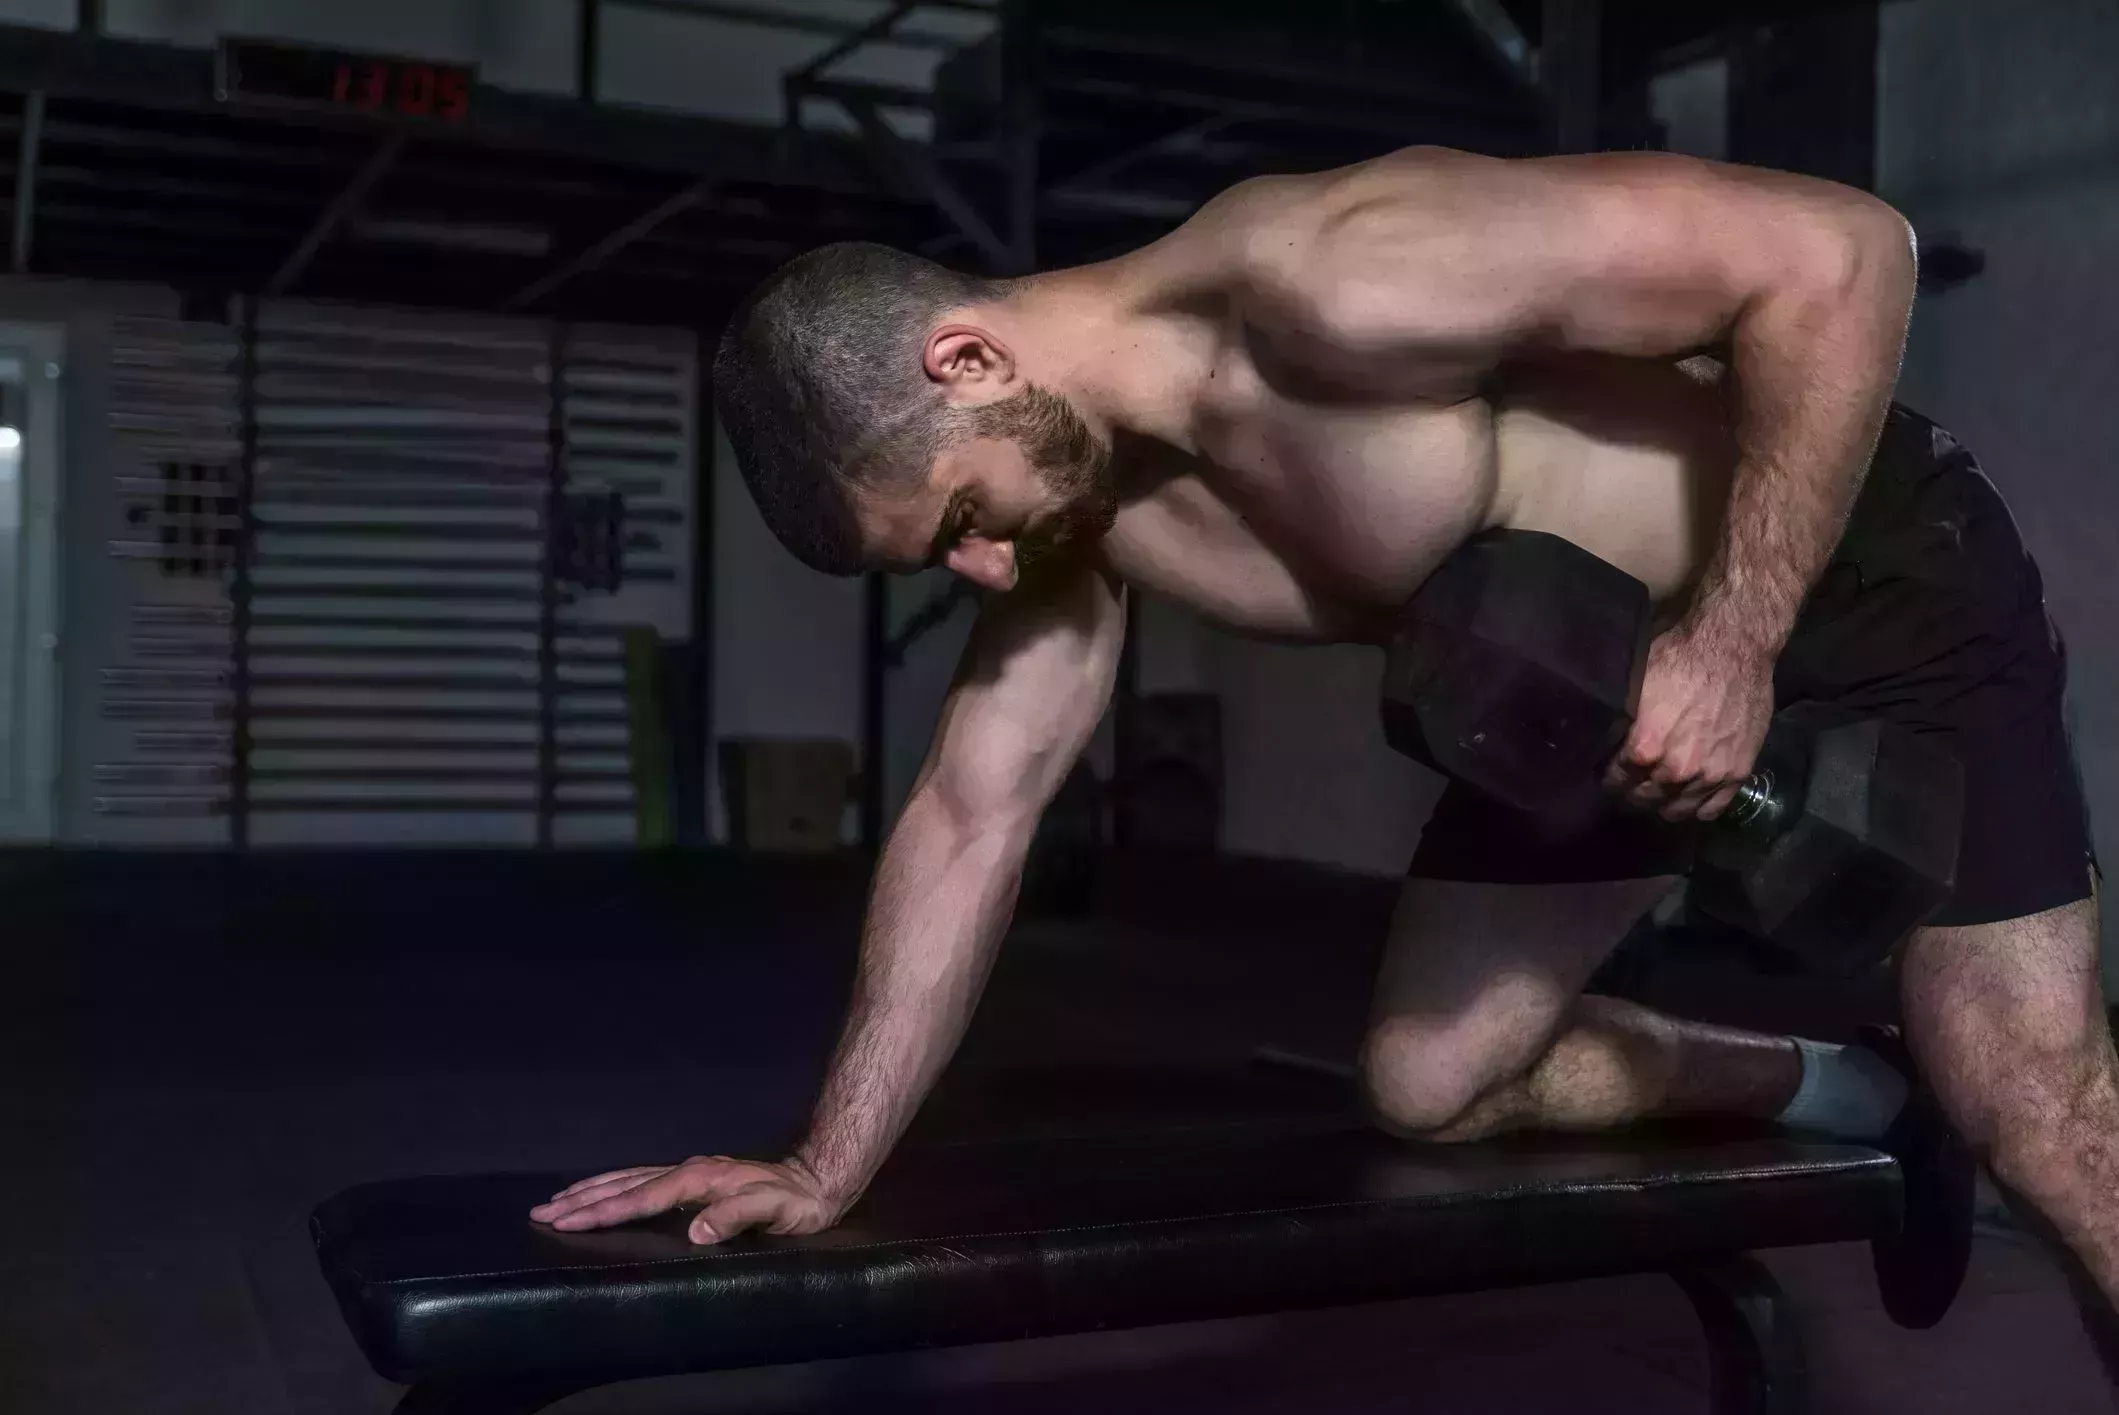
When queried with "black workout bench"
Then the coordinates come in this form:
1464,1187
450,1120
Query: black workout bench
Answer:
451,1289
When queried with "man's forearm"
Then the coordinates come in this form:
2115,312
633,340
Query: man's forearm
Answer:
942,899
1815,364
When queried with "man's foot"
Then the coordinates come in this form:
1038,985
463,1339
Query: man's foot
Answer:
1920,1269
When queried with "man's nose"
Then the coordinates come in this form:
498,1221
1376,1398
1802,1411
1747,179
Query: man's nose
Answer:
989,564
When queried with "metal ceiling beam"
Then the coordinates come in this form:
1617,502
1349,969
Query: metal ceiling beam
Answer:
791,23
67,176
603,249
1498,134
108,132
164,77
919,170
876,29
1147,63
901,96
26,158
335,212
1182,141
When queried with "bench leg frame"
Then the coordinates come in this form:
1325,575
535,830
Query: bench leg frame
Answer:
1755,1361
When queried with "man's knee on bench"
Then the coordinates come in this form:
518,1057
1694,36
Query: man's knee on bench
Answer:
1453,1079
1424,1076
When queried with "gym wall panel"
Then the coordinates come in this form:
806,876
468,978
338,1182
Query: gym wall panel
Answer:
159,769
402,479
630,430
397,589
403,476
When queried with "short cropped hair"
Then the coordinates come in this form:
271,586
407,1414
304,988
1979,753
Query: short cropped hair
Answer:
821,389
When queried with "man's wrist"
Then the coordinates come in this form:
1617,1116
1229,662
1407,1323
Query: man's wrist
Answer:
828,1186
1742,640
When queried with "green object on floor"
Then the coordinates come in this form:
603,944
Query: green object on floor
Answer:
654,816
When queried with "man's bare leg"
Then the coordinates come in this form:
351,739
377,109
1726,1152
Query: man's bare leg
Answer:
1481,1026
2009,1025
1480,1022
1619,1062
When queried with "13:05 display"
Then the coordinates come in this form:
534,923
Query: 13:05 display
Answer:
410,89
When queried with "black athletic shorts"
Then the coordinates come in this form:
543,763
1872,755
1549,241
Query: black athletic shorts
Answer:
1931,615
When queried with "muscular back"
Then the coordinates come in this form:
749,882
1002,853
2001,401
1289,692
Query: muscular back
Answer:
1384,382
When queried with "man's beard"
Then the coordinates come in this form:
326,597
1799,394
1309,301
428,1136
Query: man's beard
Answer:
1068,460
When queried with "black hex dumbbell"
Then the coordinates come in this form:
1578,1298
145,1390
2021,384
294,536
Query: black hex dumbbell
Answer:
1843,838
1516,669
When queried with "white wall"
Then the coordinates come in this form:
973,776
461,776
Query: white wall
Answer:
1998,126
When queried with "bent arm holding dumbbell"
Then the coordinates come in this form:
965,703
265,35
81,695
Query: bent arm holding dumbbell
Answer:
1033,683
1802,287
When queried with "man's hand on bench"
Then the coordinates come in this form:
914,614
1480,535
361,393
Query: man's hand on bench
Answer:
738,1195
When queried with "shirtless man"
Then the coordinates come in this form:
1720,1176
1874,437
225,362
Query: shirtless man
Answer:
1285,414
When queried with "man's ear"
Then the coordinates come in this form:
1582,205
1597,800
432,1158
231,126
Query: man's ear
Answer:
968,356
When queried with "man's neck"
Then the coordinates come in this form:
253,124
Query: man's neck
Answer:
1128,369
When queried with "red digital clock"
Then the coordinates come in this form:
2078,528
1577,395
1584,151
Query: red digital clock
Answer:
332,80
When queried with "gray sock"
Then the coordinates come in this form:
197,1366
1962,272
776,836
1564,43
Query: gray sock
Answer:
1850,1093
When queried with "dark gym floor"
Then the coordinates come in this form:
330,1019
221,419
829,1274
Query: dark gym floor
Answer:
190,1058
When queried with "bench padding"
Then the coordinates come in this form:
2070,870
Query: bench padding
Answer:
445,1278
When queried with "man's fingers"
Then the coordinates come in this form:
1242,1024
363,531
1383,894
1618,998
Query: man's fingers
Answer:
609,1175
760,1206
1685,805
581,1199
1718,803
1675,772
651,1196
1701,800
1646,795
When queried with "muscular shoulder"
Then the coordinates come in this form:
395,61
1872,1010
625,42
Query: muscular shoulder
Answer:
1294,220
1431,247
1262,234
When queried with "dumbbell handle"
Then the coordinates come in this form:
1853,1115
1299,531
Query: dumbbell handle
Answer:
1756,807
